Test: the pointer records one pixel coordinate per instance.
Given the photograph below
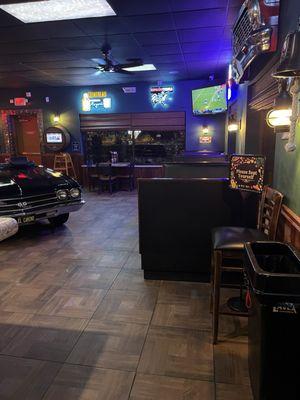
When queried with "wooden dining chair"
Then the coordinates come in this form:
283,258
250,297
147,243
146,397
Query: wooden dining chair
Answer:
126,175
106,178
228,245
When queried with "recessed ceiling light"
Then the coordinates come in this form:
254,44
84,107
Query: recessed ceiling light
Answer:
55,10
145,67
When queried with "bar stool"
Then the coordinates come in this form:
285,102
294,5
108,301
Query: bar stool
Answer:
228,244
106,178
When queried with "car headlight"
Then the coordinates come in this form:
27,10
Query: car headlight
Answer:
254,14
62,194
74,193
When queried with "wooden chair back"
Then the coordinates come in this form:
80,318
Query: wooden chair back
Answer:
105,170
269,211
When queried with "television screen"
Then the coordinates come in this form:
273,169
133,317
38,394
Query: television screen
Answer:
54,138
209,100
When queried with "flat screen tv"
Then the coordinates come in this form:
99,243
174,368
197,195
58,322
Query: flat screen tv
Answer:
209,100
54,138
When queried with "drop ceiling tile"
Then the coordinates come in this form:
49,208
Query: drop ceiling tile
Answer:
156,38
139,7
179,5
85,54
102,26
200,47
149,23
164,49
38,56
59,64
198,65
169,66
200,34
115,40
201,57
171,58
203,18
78,43
22,33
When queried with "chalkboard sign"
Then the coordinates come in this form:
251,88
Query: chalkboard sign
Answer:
247,172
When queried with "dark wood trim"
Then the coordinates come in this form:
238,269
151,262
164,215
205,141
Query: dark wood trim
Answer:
289,227
154,121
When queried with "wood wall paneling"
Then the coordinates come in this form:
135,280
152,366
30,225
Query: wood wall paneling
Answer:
159,121
104,121
289,227
162,121
264,89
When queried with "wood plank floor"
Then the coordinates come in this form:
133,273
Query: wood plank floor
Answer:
78,321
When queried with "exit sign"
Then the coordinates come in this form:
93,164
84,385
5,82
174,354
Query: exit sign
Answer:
20,101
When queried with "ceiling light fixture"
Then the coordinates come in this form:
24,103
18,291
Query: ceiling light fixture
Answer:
145,67
56,10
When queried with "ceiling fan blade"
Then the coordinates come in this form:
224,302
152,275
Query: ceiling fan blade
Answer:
122,71
131,64
98,72
99,61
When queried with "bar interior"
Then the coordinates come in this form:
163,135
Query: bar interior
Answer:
149,199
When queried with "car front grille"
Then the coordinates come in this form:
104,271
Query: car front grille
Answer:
241,32
30,204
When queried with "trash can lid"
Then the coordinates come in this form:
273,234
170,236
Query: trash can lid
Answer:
273,268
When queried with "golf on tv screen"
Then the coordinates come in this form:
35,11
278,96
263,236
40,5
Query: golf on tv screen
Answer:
209,100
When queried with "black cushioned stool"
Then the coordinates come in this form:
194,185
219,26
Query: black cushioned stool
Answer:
228,244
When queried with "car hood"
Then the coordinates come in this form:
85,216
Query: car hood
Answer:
30,181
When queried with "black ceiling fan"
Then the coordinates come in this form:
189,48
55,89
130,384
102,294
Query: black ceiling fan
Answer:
105,64
108,64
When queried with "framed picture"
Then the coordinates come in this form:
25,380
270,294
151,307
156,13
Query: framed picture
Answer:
247,172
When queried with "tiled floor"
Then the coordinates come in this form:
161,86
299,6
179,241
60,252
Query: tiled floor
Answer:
78,321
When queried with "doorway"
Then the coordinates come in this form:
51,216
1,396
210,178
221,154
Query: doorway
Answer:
27,136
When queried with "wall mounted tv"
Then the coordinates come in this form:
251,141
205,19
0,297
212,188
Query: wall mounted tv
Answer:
209,100
54,137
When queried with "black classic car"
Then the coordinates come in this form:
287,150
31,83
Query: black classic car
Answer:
31,193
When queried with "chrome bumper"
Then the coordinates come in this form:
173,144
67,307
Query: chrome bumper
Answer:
50,212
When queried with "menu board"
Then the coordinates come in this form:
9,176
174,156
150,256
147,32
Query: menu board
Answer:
247,172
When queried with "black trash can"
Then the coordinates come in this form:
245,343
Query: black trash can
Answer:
273,271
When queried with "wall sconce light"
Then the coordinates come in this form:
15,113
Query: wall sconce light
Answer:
280,115
233,125
56,118
205,130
